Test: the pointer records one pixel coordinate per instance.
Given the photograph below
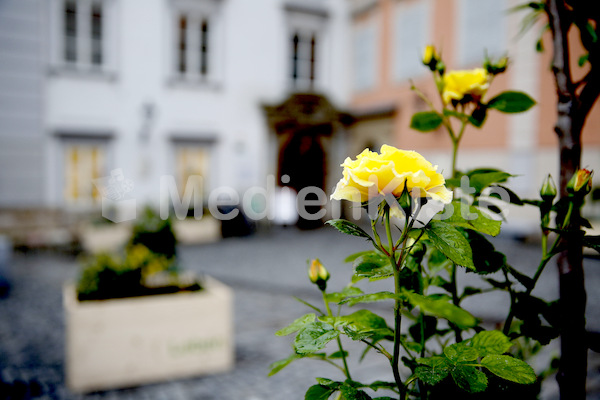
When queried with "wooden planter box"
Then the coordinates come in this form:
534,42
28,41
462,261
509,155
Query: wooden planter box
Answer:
127,342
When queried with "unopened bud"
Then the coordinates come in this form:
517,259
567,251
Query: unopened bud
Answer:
318,274
430,57
548,190
581,182
495,68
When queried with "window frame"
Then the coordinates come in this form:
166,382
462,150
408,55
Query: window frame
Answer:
202,53
88,47
200,141
308,22
71,140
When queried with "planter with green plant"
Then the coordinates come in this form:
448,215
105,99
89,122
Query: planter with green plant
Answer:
135,318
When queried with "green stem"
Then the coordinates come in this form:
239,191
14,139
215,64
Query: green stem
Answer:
379,349
339,341
455,301
455,143
546,257
376,235
398,302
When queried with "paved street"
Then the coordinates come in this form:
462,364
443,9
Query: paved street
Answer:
265,271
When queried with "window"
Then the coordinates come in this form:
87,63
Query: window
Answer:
191,160
481,27
194,52
84,163
305,43
70,25
96,33
365,57
411,35
83,32
304,51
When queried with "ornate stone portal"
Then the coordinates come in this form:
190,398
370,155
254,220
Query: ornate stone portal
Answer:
304,125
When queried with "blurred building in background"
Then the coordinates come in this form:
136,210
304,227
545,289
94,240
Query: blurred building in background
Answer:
137,89
388,40
235,90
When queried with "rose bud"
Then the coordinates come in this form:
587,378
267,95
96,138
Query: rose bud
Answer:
581,182
548,190
318,274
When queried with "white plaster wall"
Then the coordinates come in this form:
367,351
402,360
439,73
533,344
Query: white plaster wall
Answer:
253,58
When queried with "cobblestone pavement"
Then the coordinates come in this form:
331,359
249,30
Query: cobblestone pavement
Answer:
265,271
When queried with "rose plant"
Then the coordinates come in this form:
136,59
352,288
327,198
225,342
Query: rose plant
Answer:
446,349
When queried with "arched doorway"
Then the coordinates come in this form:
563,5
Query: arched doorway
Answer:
303,125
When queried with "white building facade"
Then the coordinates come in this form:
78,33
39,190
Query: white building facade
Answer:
153,88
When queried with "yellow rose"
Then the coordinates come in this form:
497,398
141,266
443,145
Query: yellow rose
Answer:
373,174
465,85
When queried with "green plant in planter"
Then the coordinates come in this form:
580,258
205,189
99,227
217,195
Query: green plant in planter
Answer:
139,272
155,233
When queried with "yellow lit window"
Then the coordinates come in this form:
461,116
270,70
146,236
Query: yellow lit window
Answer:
84,164
191,160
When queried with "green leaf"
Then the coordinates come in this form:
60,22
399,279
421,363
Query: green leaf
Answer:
485,258
318,392
539,45
593,242
281,364
425,121
349,228
339,354
351,393
354,256
363,324
441,307
522,278
460,352
348,291
373,265
451,242
509,368
583,59
470,291
469,378
470,217
590,30
491,342
437,261
329,383
429,329
314,336
477,118
382,385
296,325
481,178
371,298
511,102
432,370
513,198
